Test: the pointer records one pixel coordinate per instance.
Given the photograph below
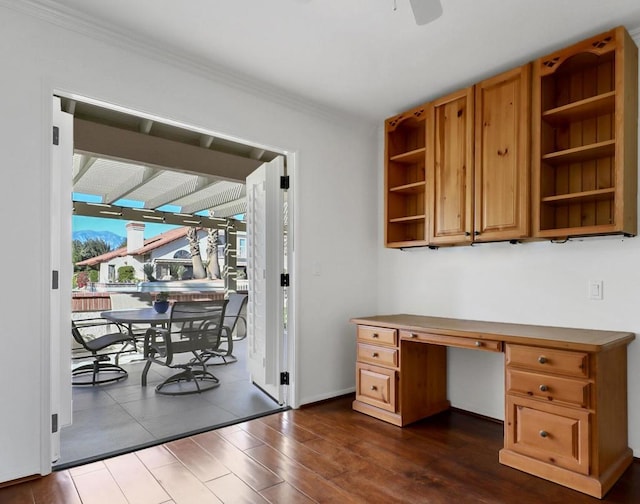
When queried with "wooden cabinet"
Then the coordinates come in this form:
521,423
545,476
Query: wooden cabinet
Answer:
502,156
405,180
559,405
450,168
585,120
565,389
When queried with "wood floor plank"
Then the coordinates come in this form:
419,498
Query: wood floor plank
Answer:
183,486
285,494
324,466
134,479
98,487
231,489
300,477
240,439
199,461
248,470
87,468
156,456
283,423
55,487
20,493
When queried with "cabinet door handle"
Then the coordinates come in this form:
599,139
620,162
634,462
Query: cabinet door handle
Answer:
374,388
374,355
479,344
542,359
543,388
544,433
467,233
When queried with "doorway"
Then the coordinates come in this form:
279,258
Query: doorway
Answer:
92,401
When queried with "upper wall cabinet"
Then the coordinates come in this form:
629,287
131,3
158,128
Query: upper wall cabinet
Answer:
502,156
405,181
450,168
585,119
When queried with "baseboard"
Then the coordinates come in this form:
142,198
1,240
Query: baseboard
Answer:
19,480
324,397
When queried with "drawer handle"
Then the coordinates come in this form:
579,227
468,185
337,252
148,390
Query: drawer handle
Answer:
543,388
414,335
479,344
375,335
374,388
542,359
544,433
374,355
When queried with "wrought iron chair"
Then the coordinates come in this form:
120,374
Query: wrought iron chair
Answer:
194,327
101,369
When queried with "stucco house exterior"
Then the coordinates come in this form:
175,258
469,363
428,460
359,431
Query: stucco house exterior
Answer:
163,251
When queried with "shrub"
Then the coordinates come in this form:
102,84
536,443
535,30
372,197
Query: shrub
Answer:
126,274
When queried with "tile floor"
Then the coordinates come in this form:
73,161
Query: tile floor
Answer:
119,417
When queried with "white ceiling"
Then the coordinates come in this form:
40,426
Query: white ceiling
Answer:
358,56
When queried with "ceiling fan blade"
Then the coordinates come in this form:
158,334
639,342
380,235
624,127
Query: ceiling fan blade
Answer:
426,11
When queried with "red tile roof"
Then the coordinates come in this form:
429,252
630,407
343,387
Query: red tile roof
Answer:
149,244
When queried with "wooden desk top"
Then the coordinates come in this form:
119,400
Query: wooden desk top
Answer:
588,340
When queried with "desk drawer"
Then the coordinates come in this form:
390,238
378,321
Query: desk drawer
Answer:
379,355
549,433
378,335
549,388
376,386
453,341
545,360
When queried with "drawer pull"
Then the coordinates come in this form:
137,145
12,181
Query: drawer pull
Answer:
374,355
374,388
479,343
543,388
544,433
375,335
542,359
414,335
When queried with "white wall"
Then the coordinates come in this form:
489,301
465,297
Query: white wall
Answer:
533,283
335,222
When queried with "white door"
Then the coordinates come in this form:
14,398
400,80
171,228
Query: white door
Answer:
265,263
60,299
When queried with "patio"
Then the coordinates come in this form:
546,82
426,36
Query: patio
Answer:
123,416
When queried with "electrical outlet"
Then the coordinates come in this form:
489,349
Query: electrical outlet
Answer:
595,290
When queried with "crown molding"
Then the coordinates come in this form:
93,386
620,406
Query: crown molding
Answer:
52,12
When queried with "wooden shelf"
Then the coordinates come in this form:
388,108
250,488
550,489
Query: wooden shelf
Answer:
583,153
409,218
583,109
410,157
579,197
414,188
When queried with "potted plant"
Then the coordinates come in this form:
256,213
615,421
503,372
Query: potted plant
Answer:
161,303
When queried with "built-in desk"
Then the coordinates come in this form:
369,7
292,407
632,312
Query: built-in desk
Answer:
565,389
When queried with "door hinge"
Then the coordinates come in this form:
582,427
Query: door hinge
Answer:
54,423
284,280
284,182
54,279
284,378
56,135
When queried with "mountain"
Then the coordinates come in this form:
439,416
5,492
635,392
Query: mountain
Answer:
113,239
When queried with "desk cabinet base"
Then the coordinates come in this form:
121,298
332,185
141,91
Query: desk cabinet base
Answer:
596,487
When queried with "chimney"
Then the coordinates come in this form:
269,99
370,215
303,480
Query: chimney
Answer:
135,236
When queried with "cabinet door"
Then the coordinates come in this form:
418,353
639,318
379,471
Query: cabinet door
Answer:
450,168
502,160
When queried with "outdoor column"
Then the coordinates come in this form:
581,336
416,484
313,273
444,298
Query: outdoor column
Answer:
230,271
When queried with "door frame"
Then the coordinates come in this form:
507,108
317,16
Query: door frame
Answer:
55,241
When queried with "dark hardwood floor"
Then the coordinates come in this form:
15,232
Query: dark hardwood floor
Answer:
324,453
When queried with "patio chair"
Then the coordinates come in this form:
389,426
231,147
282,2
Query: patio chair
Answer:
100,369
232,315
194,327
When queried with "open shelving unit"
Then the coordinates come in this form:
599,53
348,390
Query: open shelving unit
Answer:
405,179
585,138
